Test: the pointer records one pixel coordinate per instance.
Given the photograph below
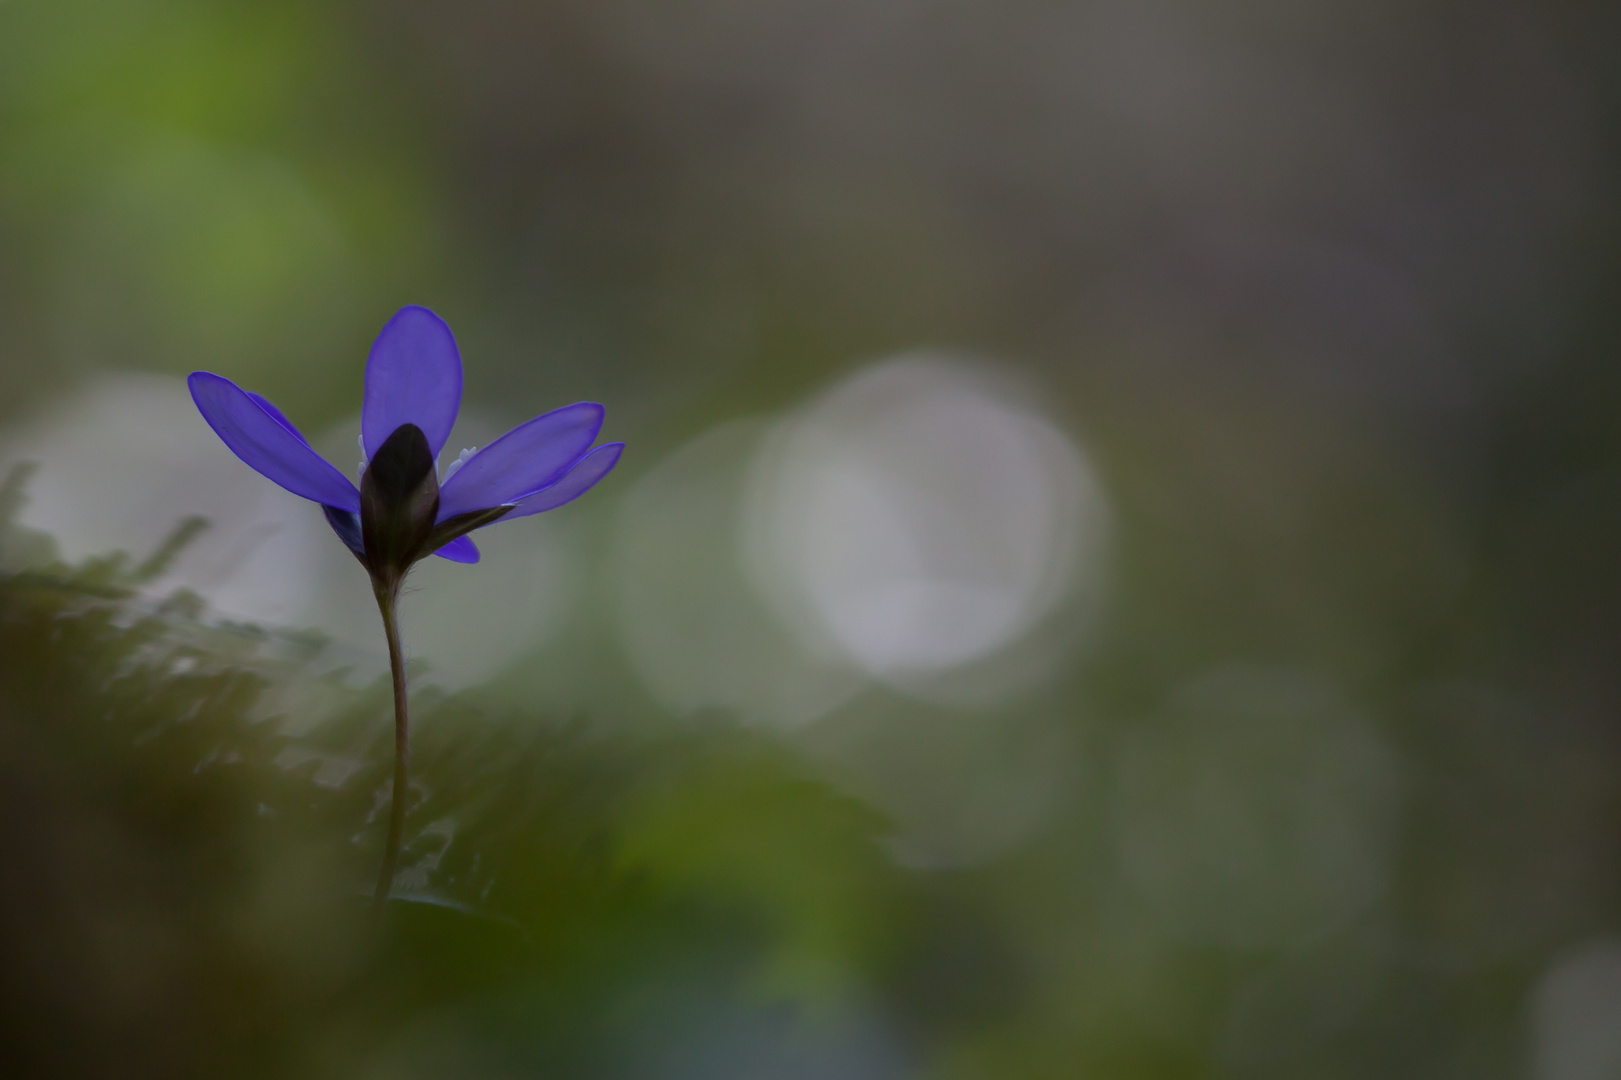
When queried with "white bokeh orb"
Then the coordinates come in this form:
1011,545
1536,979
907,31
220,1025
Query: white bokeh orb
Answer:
694,631
918,518
1576,1014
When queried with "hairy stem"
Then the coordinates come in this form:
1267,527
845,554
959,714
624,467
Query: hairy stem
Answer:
387,599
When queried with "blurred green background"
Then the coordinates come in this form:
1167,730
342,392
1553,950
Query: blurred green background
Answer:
1115,572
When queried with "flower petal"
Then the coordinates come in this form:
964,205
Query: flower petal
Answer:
580,479
347,526
268,443
531,456
275,414
462,550
413,376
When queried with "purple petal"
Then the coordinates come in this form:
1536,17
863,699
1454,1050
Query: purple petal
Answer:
580,479
531,456
275,414
462,550
414,376
268,443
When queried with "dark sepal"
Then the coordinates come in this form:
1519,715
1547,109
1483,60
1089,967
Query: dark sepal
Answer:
462,524
347,525
399,499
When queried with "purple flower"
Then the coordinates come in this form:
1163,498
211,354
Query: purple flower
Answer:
402,511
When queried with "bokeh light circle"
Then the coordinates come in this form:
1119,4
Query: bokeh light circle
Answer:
918,518
1576,1014
1257,808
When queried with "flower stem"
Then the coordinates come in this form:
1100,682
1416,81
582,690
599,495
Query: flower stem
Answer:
387,599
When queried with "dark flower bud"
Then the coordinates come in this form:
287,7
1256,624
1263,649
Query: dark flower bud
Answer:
399,501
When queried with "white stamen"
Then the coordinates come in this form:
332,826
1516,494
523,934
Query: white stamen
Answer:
361,468
459,462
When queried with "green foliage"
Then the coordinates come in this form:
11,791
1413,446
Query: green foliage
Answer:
195,818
